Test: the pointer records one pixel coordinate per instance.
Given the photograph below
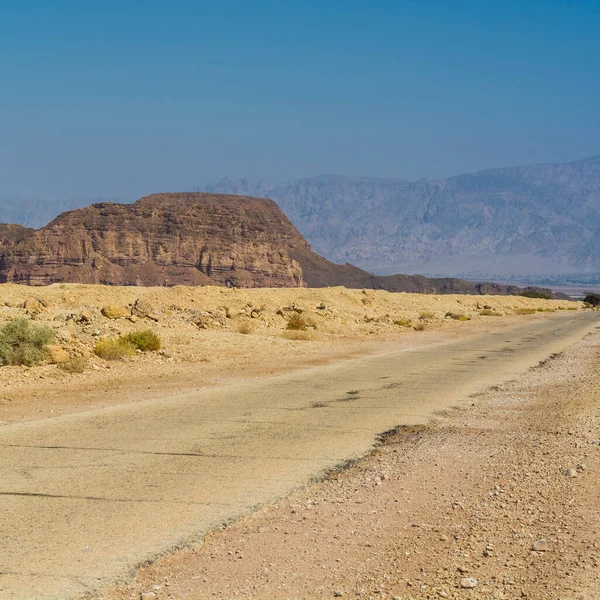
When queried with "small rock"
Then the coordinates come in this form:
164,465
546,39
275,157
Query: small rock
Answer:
115,312
338,594
85,316
468,582
148,596
57,354
571,472
31,304
540,546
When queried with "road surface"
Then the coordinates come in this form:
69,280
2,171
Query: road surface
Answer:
84,498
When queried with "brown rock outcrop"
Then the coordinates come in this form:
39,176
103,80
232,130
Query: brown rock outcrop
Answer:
163,239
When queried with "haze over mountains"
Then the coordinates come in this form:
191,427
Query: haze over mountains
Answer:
539,220
533,220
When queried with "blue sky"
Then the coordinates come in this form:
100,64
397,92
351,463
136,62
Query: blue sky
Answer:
126,98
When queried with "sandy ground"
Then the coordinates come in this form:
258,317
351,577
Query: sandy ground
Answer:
498,500
216,335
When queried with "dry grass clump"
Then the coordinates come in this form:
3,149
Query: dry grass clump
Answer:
122,347
23,343
296,322
571,308
403,322
525,311
245,328
146,340
488,312
114,349
419,327
458,316
76,364
426,315
298,335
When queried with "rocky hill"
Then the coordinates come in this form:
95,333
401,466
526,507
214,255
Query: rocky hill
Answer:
539,219
189,239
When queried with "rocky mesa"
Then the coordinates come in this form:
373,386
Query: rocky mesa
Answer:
190,239
162,240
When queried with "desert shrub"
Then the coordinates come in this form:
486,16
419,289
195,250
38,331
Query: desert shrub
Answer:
76,364
488,312
426,315
146,340
458,316
403,322
296,322
245,328
535,294
298,335
571,308
23,343
114,349
592,299
524,311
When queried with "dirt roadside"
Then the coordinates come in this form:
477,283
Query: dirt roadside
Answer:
214,335
502,496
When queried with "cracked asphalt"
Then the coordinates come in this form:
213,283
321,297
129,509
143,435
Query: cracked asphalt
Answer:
87,497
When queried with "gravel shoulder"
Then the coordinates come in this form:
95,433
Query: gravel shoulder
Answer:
498,500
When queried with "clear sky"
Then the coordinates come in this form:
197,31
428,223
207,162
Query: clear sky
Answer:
123,98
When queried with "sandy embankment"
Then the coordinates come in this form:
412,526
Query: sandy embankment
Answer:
212,335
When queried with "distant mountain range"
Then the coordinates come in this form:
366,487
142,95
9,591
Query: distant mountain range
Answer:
531,220
539,220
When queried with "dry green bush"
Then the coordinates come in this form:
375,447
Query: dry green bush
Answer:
524,311
403,322
76,364
296,322
23,343
458,316
114,349
145,340
488,312
426,315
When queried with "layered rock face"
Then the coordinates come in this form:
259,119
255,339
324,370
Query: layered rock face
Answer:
190,239
163,239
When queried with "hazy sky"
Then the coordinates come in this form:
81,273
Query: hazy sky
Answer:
123,98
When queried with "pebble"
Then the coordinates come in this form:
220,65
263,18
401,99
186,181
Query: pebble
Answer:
540,546
468,582
571,473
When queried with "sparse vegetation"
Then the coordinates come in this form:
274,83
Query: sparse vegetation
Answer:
245,328
23,343
535,294
524,311
296,322
426,315
76,364
458,316
114,349
403,322
145,340
592,299
488,312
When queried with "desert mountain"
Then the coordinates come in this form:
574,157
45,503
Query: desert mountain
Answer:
524,220
189,239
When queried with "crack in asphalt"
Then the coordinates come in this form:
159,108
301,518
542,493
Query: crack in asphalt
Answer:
126,500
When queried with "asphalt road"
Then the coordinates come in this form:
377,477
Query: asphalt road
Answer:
86,497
